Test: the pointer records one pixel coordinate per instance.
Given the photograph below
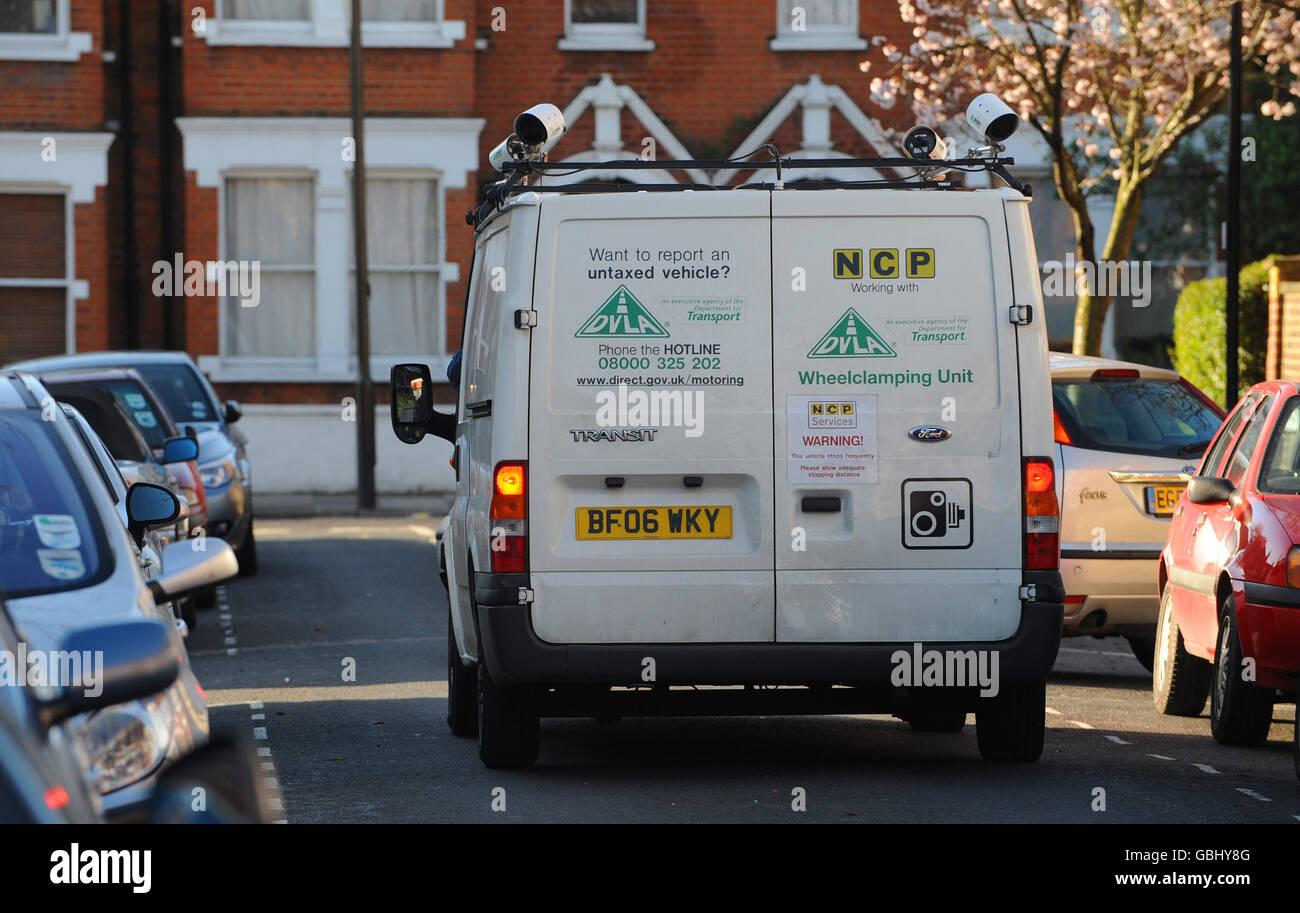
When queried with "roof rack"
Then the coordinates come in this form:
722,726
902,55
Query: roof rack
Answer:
924,178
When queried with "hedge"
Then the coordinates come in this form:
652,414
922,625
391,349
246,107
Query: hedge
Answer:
1199,326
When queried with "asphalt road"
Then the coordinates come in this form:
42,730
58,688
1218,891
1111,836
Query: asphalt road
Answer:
344,593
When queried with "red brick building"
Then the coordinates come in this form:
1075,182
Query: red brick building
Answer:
218,131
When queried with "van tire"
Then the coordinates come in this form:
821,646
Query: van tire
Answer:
1241,713
462,689
1180,682
1011,726
509,729
936,720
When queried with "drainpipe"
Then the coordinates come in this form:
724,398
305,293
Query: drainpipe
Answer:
168,73
126,138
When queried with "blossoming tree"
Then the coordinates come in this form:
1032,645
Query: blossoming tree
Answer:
1112,86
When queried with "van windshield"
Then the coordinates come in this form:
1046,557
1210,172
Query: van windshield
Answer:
1155,417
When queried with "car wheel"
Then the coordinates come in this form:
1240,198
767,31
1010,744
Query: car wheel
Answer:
206,599
1011,726
1180,681
247,554
1144,650
509,729
462,690
1240,712
936,720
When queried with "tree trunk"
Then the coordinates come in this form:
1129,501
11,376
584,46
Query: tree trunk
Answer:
1090,312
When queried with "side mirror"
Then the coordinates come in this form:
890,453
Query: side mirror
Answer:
1208,490
232,413
411,401
180,450
150,506
120,662
186,569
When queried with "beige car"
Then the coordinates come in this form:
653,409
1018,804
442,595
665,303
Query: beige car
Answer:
1125,436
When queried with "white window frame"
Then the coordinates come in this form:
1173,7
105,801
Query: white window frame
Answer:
279,363
818,37
72,289
64,45
381,365
609,36
328,27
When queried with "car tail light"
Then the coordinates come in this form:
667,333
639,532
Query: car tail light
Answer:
56,797
1042,515
1115,374
509,518
1062,436
1293,567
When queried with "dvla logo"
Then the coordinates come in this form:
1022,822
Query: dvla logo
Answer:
622,315
852,337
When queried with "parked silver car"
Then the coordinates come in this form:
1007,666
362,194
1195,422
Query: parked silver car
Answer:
1126,434
68,562
223,461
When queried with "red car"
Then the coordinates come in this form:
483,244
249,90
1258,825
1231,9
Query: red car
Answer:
1230,573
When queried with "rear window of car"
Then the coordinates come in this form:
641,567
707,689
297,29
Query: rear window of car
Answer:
131,397
49,537
1155,417
1279,472
181,392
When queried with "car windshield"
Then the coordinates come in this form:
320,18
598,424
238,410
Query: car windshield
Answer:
134,402
48,538
1280,472
1153,417
181,392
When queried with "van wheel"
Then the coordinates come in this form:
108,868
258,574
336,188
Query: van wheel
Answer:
462,690
1240,712
1011,726
1180,681
936,720
509,728
1144,650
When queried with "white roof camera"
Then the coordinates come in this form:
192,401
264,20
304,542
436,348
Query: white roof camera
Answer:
536,131
992,118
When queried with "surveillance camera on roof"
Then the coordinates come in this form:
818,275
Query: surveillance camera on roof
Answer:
922,142
536,131
992,117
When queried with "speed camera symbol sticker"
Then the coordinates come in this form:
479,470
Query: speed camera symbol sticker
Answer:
937,513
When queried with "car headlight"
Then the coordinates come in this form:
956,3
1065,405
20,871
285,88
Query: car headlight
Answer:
125,743
217,475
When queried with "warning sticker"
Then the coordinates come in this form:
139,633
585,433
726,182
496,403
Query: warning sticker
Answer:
61,564
831,442
56,530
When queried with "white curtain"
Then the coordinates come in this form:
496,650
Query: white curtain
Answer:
397,10
271,221
267,9
402,233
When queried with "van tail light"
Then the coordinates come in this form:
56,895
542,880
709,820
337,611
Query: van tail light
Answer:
509,518
1058,430
1042,515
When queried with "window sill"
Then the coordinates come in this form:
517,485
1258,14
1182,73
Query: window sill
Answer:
384,35
606,43
61,49
819,43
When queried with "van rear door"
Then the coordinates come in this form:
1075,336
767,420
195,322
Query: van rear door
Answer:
896,418
650,429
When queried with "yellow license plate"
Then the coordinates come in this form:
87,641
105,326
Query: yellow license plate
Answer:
712,521
1161,499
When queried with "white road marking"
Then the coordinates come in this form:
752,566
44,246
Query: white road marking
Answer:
1117,740
1206,768
1054,712
230,641
268,765
258,716
1254,795
270,782
232,651
1095,652
1161,757
255,705
259,732
263,752
1081,725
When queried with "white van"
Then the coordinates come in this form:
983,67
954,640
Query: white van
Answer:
792,443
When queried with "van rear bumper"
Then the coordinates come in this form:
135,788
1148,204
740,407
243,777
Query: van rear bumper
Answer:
516,656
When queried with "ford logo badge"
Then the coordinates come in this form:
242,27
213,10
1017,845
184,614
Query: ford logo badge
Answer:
929,433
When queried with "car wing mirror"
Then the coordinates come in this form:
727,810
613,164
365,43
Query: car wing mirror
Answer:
191,565
124,661
1208,490
411,406
180,450
150,506
231,411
